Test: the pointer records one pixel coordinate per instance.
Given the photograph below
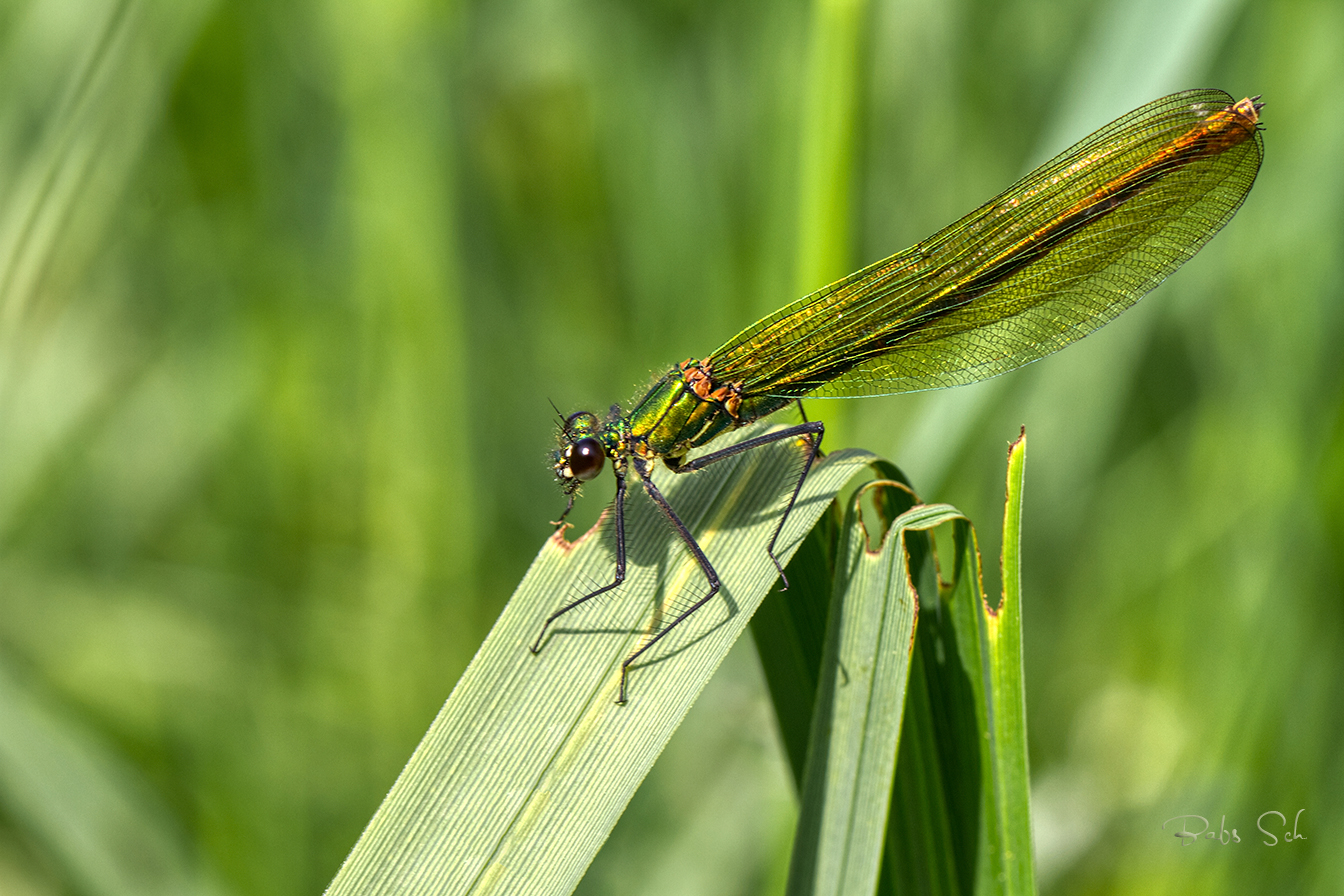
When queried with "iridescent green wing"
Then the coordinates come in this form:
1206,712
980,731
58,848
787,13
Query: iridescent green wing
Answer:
1054,257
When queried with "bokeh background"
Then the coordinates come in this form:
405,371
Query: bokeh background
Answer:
285,292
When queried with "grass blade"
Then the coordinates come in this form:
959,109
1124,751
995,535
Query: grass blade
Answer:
528,766
790,627
790,634
961,821
999,687
952,816
856,726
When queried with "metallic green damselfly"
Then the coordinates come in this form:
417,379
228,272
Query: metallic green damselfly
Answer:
1052,258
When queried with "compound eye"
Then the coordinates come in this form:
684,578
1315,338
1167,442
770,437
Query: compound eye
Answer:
585,459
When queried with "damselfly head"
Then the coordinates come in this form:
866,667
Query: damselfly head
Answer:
580,456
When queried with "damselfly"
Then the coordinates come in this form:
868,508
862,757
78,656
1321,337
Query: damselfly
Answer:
1052,258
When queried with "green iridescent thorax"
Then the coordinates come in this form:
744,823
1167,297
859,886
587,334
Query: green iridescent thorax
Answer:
671,418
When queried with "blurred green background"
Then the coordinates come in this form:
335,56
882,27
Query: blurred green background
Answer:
285,290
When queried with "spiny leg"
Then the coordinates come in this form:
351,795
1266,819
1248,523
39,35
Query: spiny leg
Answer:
620,564
560,523
689,540
813,440
811,432
803,413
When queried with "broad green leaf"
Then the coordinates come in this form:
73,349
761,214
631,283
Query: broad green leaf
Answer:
855,729
995,661
933,834
790,627
955,816
961,812
528,766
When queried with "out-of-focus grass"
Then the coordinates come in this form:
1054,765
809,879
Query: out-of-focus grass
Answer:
285,288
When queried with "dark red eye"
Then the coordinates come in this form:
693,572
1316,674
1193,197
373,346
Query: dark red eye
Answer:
585,459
